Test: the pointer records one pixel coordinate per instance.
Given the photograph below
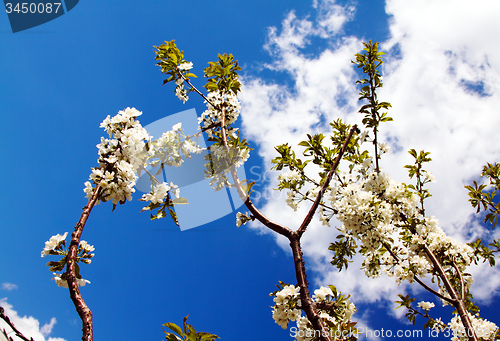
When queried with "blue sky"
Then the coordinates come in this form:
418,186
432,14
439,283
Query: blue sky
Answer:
61,79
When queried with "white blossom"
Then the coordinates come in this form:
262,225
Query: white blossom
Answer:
425,305
64,283
181,93
119,157
428,176
86,247
363,136
384,148
59,281
483,328
321,293
242,218
186,66
291,201
287,308
52,243
290,176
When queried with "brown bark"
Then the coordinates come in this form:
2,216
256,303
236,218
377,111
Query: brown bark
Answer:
458,302
74,291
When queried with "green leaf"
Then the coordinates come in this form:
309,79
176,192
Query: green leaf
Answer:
180,201
174,327
173,215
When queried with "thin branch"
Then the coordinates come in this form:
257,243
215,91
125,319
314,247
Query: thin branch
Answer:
7,320
313,208
308,304
283,230
185,79
462,284
308,178
305,197
426,287
374,115
7,337
74,291
459,303
426,315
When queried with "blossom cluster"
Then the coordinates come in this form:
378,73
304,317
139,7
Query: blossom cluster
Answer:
376,210
336,311
159,192
386,217
172,148
484,329
425,305
290,176
180,92
213,114
128,151
56,246
287,305
242,219
220,162
120,157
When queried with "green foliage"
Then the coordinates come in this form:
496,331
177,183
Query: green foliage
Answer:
219,163
169,58
287,159
344,249
370,60
482,198
162,207
222,75
406,302
421,175
483,195
484,252
419,160
314,147
187,333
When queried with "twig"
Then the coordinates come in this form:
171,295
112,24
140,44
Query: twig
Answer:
74,291
313,208
462,284
426,287
7,320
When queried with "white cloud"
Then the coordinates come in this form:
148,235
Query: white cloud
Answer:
445,48
28,325
9,286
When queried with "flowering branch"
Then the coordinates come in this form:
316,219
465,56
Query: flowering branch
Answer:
457,302
428,288
293,236
313,208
